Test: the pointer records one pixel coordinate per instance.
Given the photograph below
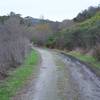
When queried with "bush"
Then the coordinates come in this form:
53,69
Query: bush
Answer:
97,52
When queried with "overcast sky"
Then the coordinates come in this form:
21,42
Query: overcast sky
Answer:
56,10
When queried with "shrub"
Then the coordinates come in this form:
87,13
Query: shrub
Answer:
97,52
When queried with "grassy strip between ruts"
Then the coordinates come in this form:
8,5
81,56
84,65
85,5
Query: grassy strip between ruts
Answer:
17,78
94,64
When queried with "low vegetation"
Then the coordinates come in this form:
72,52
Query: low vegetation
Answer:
18,77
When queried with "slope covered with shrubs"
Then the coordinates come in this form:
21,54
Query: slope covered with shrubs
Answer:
14,43
16,34
84,36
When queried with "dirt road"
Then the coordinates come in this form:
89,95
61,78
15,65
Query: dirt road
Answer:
60,78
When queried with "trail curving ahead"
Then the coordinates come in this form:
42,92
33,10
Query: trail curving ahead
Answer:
46,87
60,78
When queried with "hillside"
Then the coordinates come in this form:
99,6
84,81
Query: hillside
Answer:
84,35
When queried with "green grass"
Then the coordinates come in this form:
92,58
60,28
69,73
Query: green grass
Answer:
83,57
95,65
18,77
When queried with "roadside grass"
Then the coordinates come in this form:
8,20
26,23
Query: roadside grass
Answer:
18,77
94,64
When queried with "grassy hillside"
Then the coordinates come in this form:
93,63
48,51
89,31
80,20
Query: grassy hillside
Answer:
84,35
